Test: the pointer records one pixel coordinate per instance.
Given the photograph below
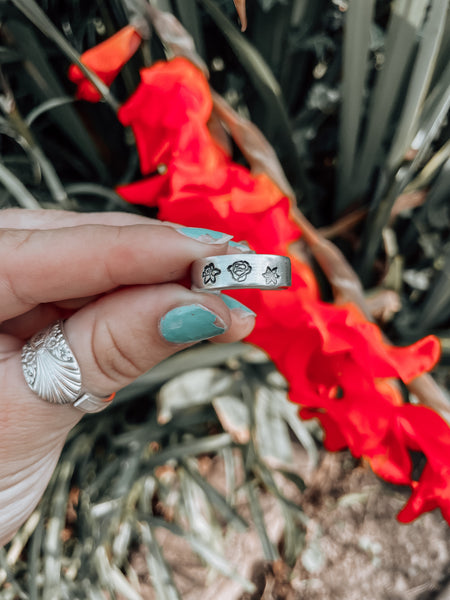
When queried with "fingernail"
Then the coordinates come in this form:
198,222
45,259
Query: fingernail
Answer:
242,247
233,304
208,236
191,323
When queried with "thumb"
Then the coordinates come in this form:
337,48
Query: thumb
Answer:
124,334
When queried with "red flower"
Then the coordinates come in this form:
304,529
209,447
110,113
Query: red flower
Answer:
337,364
106,60
425,431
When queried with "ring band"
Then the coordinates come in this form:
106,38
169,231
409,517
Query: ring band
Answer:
236,271
52,371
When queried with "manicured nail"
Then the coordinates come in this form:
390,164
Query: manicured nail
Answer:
191,323
242,247
208,236
240,308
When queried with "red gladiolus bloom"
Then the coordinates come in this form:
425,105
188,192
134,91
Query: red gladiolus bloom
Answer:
336,362
425,431
106,60
338,366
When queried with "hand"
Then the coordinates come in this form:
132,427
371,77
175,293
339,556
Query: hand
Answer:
115,278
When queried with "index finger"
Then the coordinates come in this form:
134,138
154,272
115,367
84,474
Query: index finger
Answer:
39,266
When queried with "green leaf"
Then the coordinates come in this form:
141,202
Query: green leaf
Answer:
272,434
205,445
188,14
205,552
419,81
231,516
394,179
16,188
46,106
277,125
39,18
159,570
234,417
290,414
433,116
296,479
355,67
48,88
435,310
197,510
52,559
7,576
114,201
206,355
401,40
269,549
191,389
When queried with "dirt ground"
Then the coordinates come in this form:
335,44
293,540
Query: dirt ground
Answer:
355,548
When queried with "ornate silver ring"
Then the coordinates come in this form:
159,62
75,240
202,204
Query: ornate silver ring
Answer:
233,271
52,371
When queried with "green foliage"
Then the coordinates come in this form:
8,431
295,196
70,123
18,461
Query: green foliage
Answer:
138,469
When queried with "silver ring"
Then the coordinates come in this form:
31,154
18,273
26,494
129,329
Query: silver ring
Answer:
52,371
234,271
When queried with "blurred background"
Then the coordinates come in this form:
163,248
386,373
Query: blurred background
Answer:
201,482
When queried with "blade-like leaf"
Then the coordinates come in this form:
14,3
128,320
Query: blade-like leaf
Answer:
194,358
159,570
191,389
419,81
233,416
210,556
189,15
433,117
272,433
403,136
277,125
269,549
217,500
47,87
355,63
401,40
41,109
38,17
16,188
205,445
436,307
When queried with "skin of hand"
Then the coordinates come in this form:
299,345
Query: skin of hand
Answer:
113,277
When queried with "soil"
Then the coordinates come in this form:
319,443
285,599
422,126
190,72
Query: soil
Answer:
355,549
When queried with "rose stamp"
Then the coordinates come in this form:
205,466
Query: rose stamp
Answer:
239,270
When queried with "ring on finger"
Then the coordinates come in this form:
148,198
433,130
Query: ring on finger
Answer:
53,373
235,271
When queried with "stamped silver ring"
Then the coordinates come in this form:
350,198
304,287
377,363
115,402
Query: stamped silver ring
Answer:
52,371
234,271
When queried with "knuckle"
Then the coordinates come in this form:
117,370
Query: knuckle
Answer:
112,361
12,244
14,239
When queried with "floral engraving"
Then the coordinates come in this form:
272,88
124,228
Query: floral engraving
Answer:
271,276
209,273
239,270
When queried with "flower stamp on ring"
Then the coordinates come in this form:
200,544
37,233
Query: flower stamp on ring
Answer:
209,273
271,276
239,270
235,271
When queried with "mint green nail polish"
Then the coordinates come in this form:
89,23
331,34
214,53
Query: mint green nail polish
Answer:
208,236
242,247
236,305
191,323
